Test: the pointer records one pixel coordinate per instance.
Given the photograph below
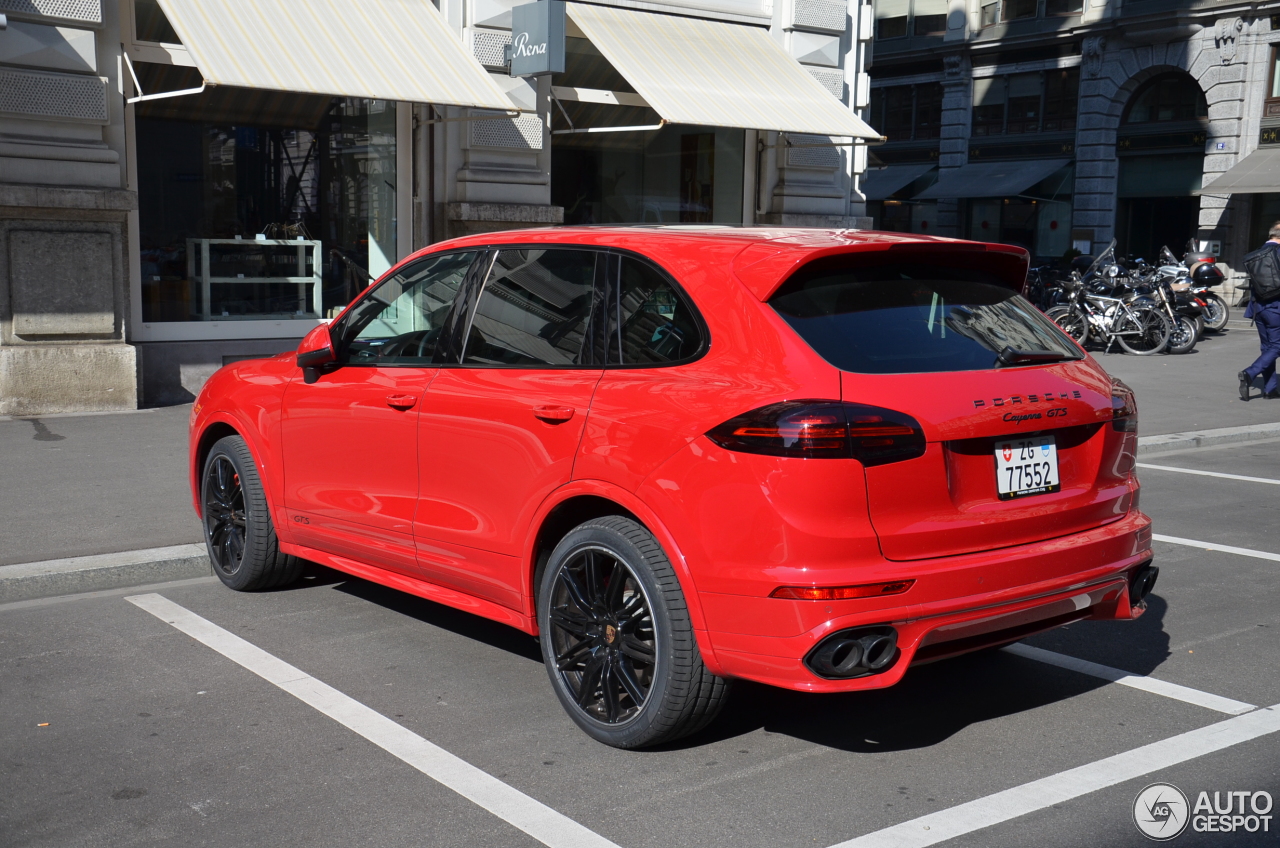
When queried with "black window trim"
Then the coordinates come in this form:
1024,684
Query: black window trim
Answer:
598,315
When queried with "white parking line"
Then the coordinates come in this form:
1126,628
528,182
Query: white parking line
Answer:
1214,546
507,803
1209,473
1136,681
1073,783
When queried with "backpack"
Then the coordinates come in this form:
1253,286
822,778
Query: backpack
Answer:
1264,273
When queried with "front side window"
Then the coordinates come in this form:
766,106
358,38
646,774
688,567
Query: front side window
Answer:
534,309
651,323
399,321
909,318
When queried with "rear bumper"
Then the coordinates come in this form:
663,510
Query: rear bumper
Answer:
1031,588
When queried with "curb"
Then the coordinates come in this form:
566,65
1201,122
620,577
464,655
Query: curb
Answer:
30,580
1205,438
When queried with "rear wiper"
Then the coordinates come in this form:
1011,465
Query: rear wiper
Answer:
1010,356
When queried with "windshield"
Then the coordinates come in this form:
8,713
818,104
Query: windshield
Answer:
1107,257
1167,257
900,319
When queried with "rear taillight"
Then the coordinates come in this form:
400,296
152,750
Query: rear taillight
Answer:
814,429
1124,409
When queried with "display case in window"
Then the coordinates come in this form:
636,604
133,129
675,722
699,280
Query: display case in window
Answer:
255,279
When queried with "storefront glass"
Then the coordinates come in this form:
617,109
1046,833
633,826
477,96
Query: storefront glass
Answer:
1043,227
258,205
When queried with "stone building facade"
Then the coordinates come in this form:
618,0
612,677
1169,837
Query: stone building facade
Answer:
154,227
1144,105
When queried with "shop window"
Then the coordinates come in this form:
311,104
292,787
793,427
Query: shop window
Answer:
236,165
989,98
1166,99
1063,7
1061,97
150,23
1041,226
928,117
891,18
676,174
1271,108
1015,10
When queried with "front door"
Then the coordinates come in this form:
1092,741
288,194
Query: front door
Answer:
499,433
349,439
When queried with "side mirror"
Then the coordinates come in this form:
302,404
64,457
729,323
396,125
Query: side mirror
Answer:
315,351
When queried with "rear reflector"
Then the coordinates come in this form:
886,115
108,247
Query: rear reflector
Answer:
815,429
841,593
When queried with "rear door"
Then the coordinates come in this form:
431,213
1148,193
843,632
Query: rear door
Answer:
927,340
498,433
349,439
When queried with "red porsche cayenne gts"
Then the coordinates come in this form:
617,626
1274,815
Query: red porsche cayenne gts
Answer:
682,456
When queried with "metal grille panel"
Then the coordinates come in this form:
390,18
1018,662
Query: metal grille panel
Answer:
812,157
71,10
832,80
522,133
53,96
488,47
821,14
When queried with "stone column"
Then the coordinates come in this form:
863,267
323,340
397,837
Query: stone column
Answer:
953,147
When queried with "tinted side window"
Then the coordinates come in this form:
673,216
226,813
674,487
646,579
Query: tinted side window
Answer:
399,321
653,322
534,309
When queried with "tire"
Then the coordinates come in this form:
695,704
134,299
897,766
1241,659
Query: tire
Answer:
1216,314
1072,321
1184,337
617,641
238,531
1150,330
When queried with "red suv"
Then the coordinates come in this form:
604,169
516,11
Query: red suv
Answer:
681,456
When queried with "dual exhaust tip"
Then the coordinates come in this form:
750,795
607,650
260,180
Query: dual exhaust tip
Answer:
1142,582
856,652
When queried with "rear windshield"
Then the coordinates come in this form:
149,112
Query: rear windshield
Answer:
907,319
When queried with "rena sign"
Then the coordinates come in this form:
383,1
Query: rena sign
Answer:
537,38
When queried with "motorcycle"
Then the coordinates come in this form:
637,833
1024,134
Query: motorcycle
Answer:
1204,274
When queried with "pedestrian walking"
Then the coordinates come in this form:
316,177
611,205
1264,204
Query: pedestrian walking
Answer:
1263,266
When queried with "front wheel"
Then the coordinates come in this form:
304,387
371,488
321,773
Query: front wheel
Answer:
1184,336
1142,329
1072,321
238,531
1216,312
617,641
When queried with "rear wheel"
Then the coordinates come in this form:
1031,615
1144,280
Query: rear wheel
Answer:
238,531
617,641
1072,321
1143,330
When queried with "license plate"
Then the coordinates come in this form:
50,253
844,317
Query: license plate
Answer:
1026,467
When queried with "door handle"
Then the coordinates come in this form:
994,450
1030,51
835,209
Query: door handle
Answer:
401,401
553,414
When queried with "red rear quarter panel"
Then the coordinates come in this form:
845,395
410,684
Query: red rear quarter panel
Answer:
245,396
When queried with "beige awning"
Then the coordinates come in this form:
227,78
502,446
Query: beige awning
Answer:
716,74
1257,173
381,49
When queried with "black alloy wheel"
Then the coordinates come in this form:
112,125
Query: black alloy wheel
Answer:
238,531
603,635
617,640
224,515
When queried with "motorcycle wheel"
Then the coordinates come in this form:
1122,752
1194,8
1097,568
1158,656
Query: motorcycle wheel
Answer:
1183,338
1216,313
1146,333
1074,323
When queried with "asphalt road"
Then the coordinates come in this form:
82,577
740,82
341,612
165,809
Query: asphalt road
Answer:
151,737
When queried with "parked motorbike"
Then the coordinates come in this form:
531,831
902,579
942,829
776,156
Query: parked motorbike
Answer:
1204,274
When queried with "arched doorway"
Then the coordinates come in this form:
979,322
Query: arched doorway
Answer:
1160,146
